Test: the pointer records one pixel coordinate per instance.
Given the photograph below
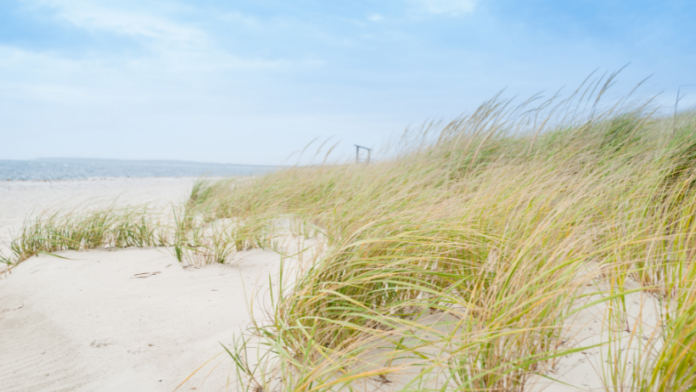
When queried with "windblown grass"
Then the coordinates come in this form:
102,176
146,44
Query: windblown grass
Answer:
100,228
195,239
456,265
459,263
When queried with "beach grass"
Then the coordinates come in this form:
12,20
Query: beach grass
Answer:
99,227
461,261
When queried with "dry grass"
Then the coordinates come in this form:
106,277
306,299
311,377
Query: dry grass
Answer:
456,264
102,227
490,222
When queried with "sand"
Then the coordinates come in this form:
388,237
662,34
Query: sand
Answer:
125,320
137,320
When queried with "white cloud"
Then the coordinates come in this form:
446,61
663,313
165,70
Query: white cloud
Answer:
449,7
375,18
174,46
91,15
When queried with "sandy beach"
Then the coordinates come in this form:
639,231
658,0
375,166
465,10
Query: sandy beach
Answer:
124,320
402,196
138,320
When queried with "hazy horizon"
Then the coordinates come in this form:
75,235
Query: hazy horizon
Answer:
134,160
86,168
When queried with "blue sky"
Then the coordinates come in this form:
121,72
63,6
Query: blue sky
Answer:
254,81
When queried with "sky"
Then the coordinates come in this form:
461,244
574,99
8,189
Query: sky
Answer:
253,82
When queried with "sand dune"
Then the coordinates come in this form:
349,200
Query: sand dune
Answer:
125,320
138,320
128,320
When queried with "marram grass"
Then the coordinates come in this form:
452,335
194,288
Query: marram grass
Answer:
98,228
457,264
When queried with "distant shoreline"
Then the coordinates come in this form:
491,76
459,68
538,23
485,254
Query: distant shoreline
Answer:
139,161
56,169
90,179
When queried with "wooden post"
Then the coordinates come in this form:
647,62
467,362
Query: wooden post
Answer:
357,153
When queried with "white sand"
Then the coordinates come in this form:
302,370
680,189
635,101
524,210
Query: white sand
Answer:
135,320
588,370
92,323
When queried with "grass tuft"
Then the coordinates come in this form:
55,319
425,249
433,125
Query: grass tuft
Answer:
463,262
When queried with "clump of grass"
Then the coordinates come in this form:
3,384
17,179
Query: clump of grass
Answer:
459,263
194,236
485,224
200,241
74,230
673,369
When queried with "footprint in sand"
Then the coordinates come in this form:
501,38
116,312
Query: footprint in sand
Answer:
100,343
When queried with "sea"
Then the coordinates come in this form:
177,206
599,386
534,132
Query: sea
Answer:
49,169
